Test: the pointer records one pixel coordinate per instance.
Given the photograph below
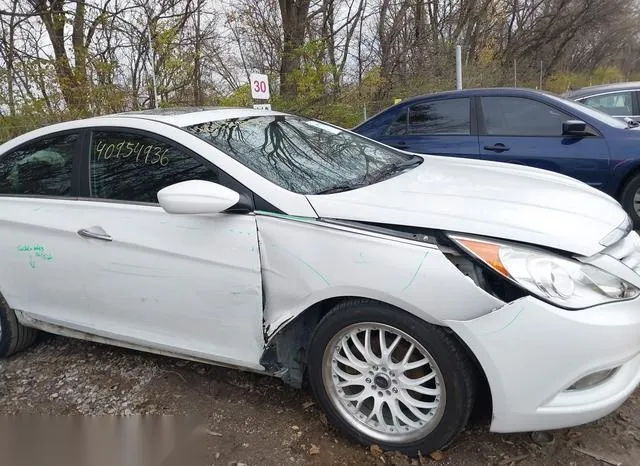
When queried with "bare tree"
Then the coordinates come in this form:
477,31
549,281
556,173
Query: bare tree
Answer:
63,58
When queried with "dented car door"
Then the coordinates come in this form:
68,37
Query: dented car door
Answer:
179,283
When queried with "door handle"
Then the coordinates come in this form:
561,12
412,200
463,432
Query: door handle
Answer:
497,147
86,233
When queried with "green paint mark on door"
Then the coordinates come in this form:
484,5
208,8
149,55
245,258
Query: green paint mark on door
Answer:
37,252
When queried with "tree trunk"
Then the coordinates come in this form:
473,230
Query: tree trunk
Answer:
294,22
73,85
198,99
80,94
10,50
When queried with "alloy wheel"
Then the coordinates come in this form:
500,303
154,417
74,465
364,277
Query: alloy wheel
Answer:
384,382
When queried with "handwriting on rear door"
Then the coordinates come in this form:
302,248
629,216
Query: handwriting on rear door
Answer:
36,252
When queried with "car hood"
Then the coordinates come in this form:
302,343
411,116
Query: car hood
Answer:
493,199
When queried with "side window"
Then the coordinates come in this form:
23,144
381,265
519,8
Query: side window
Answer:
517,116
618,104
41,168
449,116
399,125
133,167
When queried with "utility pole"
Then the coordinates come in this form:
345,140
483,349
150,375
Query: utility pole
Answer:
458,67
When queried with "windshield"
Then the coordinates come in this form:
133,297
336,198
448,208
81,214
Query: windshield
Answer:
301,155
592,112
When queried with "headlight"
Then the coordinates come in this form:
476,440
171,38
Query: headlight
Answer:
564,282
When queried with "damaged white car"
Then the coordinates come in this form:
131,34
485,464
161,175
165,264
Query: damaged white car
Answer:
399,286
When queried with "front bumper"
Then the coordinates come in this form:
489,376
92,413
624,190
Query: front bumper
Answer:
532,352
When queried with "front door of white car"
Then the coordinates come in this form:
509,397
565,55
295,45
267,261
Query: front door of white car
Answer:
184,283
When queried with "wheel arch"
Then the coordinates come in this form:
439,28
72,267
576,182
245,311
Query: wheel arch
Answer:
625,179
286,349
285,353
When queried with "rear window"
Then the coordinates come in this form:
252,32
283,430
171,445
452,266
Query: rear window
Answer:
42,167
590,111
614,104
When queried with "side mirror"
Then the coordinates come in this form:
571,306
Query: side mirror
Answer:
574,128
197,197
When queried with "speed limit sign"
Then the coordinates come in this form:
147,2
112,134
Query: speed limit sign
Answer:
259,86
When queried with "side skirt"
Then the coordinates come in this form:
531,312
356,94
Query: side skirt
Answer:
30,321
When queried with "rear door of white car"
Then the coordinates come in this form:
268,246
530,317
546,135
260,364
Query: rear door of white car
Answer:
181,283
38,240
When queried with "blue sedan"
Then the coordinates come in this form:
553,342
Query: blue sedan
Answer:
519,126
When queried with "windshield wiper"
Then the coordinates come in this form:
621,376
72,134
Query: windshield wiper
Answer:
386,171
341,188
399,167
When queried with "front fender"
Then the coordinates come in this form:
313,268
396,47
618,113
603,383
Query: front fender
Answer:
304,262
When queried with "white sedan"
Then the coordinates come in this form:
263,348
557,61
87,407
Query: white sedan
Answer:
399,286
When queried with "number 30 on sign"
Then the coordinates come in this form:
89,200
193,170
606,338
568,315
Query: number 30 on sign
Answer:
259,86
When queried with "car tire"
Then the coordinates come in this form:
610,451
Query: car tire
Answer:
627,199
14,337
405,420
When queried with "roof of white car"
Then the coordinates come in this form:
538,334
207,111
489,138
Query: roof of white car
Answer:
186,116
180,117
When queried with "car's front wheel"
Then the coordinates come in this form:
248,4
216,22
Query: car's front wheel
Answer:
386,377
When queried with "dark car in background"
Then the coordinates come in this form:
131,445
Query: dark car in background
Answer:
519,126
620,100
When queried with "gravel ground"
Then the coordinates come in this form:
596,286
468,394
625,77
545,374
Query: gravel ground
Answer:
256,420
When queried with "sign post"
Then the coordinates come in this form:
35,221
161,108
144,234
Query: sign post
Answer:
260,90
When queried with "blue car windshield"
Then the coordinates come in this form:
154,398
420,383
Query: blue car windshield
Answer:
592,112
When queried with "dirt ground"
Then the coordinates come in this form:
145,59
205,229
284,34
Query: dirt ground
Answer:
257,420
